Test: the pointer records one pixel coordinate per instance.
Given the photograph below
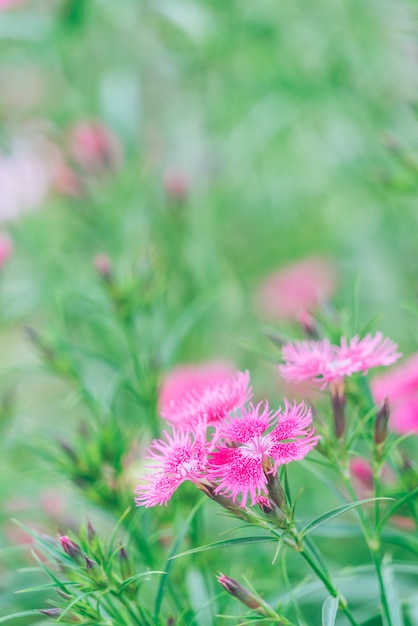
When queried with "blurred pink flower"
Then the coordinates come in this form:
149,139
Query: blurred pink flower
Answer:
6,248
182,457
7,4
362,476
322,362
400,386
94,147
296,288
103,265
215,395
185,379
249,450
52,502
65,180
176,184
362,471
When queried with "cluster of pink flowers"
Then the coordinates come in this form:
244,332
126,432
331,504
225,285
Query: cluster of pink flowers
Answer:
323,362
222,442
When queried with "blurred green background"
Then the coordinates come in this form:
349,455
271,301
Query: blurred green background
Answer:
245,136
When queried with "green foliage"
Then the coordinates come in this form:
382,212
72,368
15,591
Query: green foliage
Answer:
242,137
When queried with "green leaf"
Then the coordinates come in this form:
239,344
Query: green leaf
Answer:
21,614
168,565
392,598
132,579
329,611
393,508
225,544
323,519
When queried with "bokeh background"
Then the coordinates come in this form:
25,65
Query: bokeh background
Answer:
198,147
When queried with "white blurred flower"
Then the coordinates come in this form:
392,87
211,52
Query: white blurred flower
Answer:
25,176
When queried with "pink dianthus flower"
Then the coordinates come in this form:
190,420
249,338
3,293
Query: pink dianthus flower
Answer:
211,402
296,288
182,457
323,362
400,386
247,450
190,377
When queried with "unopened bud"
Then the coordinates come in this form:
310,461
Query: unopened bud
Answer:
381,424
125,566
307,321
275,490
338,408
90,564
247,597
239,591
176,184
226,503
91,533
69,451
272,511
64,595
71,548
103,266
55,613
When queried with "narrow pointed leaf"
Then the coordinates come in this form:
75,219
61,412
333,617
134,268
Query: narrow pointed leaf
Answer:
323,519
225,544
393,508
132,579
392,598
20,614
168,565
329,611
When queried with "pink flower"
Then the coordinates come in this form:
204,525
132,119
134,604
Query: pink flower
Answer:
176,184
94,147
24,180
103,265
7,4
400,386
185,379
211,402
296,288
182,457
362,476
247,450
322,362
6,248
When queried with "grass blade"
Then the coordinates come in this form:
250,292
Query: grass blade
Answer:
323,519
329,611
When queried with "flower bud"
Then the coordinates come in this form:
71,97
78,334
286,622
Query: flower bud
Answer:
272,511
381,423
103,266
176,184
338,408
71,548
238,591
91,533
307,321
209,490
275,490
125,566
51,612
69,451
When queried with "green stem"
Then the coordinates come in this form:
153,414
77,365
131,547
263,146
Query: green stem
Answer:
372,540
333,591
